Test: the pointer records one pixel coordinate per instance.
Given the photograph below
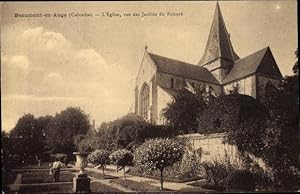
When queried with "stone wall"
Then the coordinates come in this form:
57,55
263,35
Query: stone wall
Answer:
213,148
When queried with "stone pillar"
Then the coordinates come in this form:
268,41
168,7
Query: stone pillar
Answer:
81,183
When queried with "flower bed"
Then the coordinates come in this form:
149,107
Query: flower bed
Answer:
166,178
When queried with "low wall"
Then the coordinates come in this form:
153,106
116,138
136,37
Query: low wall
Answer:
212,146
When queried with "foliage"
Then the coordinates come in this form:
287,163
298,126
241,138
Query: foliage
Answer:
26,139
99,157
281,139
158,154
183,112
241,116
67,124
86,143
125,133
217,171
61,157
240,180
121,157
189,168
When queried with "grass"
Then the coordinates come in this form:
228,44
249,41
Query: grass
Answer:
136,186
208,186
30,177
96,187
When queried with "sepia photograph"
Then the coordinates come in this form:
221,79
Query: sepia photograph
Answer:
149,96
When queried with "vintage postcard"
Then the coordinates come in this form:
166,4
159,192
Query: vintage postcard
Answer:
137,96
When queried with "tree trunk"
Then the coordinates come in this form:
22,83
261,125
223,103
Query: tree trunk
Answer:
161,180
124,173
103,171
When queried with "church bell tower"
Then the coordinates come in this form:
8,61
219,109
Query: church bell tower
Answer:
219,55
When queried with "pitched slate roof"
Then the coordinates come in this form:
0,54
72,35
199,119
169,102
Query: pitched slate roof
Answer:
218,44
183,69
261,61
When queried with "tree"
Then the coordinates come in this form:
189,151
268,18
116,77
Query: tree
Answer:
27,138
66,125
183,112
122,158
99,157
158,154
241,116
282,134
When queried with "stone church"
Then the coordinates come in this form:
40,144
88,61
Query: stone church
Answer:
219,70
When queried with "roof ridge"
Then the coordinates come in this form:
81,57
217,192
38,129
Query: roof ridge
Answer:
255,52
197,66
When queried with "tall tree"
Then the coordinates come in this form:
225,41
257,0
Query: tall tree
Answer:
184,111
27,138
282,135
66,125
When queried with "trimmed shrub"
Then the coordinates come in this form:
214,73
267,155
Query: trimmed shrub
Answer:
157,154
99,157
122,158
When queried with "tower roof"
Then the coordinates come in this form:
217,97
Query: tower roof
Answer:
218,44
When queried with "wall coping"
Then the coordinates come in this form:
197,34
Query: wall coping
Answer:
193,136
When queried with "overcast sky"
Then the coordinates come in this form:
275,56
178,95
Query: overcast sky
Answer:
48,64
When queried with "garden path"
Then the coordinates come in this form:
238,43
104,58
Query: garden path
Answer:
154,182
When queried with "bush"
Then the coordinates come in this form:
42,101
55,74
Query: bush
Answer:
122,158
157,154
240,180
99,157
217,172
187,169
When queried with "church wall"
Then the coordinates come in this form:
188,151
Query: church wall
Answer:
163,98
246,86
146,74
164,80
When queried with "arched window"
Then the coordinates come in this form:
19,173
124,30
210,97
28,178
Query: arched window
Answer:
172,82
144,103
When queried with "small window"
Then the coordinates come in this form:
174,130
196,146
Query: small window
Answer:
193,84
172,82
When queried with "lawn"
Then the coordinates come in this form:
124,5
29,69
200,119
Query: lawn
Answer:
98,175
96,187
208,186
136,186
43,176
